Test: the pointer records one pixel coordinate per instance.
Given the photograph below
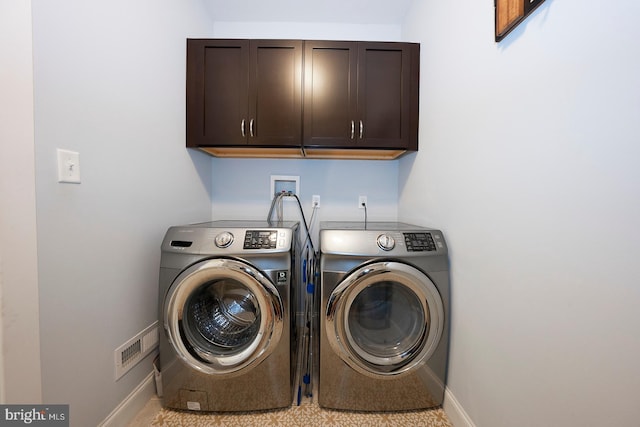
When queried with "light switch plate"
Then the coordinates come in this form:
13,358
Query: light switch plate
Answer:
68,166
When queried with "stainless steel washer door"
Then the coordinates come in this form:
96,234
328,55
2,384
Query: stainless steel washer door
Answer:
223,316
384,319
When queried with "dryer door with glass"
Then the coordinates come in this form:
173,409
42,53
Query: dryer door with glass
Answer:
223,316
384,318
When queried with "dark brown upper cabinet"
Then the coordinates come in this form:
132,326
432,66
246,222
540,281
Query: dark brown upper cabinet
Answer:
244,93
245,98
361,95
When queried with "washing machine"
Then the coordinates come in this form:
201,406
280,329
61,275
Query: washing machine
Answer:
383,317
225,303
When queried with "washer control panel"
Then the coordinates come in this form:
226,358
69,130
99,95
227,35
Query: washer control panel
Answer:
261,239
231,237
419,242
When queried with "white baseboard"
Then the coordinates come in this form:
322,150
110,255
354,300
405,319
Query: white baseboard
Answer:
132,404
455,412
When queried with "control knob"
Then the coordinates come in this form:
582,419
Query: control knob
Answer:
224,239
386,242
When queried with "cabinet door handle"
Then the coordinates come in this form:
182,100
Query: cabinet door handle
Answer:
361,129
353,129
251,128
242,128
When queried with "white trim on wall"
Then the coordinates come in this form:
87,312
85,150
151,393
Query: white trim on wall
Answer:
20,372
1,338
132,404
455,412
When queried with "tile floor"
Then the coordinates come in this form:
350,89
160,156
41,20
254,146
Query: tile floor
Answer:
147,414
307,414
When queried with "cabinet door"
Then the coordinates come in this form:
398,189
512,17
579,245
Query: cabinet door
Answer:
330,93
275,93
242,92
217,92
387,95
361,95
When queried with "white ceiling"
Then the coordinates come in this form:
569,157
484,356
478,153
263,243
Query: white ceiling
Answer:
389,12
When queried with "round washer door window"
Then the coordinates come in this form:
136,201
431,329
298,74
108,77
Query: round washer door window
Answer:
384,319
223,316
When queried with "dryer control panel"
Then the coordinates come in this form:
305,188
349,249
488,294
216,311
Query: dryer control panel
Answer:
381,239
419,242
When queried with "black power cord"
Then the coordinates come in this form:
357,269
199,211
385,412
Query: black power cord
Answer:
364,205
276,199
310,273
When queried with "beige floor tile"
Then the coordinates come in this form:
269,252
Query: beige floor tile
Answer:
307,414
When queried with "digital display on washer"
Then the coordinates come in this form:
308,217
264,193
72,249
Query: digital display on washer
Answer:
256,239
419,242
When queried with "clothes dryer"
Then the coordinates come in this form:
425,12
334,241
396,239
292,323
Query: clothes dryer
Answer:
383,317
225,302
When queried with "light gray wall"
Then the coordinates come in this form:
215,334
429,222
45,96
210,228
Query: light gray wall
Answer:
307,30
241,187
19,336
529,163
109,83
